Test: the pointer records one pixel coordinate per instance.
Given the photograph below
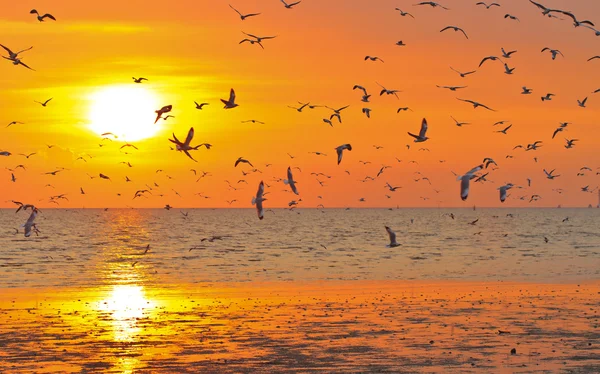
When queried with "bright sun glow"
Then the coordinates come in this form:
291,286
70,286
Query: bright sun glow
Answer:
126,111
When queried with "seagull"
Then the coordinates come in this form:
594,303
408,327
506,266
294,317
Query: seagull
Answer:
511,17
200,106
506,54
508,70
404,14
5,153
488,161
570,143
129,145
455,28
593,58
459,124
241,159
253,121
290,5
185,147
526,91
554,52
432,4
258,200
389,187
465,179
388,92
340,151
258,40
550,174
451,88
367,112
576,22
17,61
161,111
403,109
102,176
373,58
392,236
581,103
230,104
299,110
400,43
548,97
422,133
139,80
29,224
463,75
41,18
328,121
43,103
505,129
291,181
476,104
491,58
14,55
487,6
503,190
534,146
244,16
15,123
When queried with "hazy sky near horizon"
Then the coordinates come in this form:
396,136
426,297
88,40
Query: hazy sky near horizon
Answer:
190,51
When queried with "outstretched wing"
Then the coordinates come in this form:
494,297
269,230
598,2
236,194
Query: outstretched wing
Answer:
423,128
190,136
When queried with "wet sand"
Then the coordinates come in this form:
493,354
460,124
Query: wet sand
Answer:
383,326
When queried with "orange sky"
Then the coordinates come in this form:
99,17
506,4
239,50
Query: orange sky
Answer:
189,51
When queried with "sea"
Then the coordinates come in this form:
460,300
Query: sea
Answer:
97,248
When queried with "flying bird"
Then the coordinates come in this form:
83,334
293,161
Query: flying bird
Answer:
43,103
487,6
290,180
476,104
503,190
139,80
200,106
41,18
244,16
422,133
242,160
463,75
373,58
258,200
455,28
340,151
392,236
432,4
404,14
290,5
230,104
511,17
465,181
161,111
185,147
554,52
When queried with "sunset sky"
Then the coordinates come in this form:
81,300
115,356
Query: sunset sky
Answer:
189,52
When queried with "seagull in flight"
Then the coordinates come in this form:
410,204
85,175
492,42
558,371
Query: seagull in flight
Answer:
373,58
554,52
161,111
455,28
258,200
230,104
459,124
465,179
581,103
392,236
138,80
290,5
200,106
526,91
491,58
15,123
550,175
41,18
45,103
14,55
29,225
340,151
548,97
242,160
404,14
511,17
422,133
570,143
299,110
476,104
503,190
463,75
487,6
508,70
185,147
244,16
505,129
388,92
507,54
451,88
290,180
432,4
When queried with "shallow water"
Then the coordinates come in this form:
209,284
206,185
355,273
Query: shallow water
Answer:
97,248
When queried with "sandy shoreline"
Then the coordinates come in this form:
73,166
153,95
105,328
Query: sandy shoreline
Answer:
363,326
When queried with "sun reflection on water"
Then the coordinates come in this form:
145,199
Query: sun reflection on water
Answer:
126,305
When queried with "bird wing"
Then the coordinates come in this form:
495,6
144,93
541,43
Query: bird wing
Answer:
232,96
190,136
235,10
7,49
392,235
423,128
464,186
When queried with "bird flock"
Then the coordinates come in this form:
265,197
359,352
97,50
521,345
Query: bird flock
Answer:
333,117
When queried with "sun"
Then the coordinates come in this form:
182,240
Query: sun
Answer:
126,111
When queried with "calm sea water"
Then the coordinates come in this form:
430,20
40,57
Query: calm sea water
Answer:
100,248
